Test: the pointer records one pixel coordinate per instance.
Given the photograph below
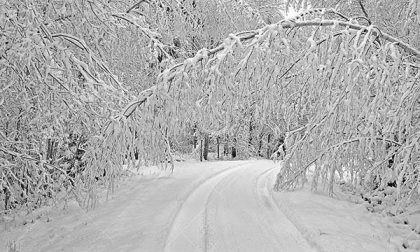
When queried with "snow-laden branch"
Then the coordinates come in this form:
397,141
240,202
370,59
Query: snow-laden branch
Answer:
41,162
246,36
153,36
296,174
376,32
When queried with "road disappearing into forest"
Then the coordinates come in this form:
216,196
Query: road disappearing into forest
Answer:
210,206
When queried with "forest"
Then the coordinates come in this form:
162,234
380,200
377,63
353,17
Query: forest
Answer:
91,87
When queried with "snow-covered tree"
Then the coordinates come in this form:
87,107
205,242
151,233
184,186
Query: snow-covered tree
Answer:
88,86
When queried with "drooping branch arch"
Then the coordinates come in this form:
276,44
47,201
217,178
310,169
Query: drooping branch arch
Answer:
247,36
330,97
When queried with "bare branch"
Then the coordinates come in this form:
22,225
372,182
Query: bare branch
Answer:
363,9
136,5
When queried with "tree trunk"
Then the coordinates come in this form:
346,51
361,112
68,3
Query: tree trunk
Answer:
268,146
201,150
6,198
226,146
218,143
51,149
260,142
18,125
251,129
206,147
195,136
234,148
233,152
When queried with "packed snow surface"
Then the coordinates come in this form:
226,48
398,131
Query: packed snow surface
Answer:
210,206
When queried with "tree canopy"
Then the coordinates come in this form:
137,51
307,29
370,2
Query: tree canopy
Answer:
90,86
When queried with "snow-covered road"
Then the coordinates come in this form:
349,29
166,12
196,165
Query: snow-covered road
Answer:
234,211
211,206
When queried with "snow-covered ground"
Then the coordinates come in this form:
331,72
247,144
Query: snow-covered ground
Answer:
210,206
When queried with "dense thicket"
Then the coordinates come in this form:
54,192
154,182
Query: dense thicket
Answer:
89,87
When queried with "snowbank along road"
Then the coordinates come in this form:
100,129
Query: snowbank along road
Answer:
212,206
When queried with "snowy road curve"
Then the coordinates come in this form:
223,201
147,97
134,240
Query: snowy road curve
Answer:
234,211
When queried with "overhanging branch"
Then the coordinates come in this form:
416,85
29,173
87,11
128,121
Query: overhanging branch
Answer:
170,73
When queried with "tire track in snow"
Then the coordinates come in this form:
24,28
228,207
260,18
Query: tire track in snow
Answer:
207,210
191,228
242,220
211,181
282,208
264,186
264,189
